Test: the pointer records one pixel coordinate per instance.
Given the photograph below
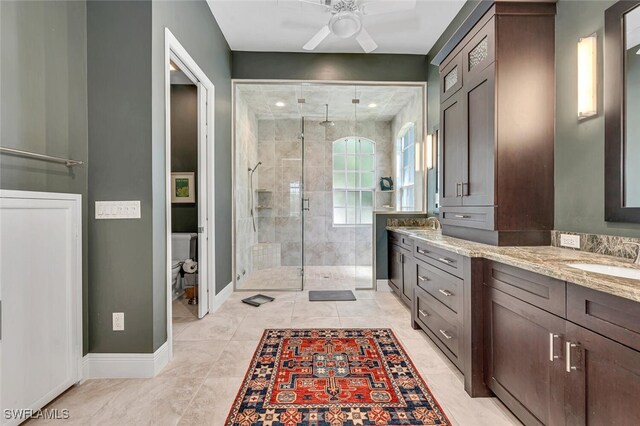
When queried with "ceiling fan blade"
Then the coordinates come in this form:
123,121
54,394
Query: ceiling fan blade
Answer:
366,42
385,6
317,39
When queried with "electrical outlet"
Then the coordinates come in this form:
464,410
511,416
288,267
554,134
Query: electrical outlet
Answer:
567,240
118,321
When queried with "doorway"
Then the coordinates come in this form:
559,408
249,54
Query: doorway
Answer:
189,105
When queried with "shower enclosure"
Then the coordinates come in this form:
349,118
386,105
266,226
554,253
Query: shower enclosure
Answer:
308,159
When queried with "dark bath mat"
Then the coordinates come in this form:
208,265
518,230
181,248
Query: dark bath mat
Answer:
330,295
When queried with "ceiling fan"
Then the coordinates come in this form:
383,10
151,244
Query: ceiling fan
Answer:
346,19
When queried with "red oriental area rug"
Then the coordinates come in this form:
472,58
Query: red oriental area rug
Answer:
333,377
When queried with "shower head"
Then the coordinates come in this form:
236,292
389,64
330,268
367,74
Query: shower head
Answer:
256,166
326,122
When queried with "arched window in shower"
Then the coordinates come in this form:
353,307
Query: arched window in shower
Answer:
354,161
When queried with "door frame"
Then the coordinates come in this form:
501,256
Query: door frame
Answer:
206,142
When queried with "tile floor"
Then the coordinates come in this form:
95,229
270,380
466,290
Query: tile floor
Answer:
212,355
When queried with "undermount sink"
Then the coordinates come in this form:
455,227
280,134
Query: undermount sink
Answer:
615,271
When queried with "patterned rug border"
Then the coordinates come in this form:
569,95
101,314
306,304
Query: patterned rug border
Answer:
395,337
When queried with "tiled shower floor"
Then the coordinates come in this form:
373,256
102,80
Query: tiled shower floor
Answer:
316,278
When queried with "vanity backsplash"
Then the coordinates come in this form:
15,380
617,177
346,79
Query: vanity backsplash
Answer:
407,221
611,245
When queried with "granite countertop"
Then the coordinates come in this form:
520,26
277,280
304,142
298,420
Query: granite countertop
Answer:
545,260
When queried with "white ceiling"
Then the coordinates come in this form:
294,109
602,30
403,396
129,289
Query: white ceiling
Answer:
266,25
388,100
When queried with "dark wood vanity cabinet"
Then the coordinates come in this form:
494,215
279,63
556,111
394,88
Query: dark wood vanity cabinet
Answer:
401,267
497,128
556,366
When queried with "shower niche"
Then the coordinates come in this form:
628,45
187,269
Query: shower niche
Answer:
308,159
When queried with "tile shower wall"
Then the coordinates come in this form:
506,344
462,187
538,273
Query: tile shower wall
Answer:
279,148
246,156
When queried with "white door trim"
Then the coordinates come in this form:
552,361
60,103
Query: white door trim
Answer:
172,47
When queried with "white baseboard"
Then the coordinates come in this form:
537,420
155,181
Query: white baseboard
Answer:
129,366
221,297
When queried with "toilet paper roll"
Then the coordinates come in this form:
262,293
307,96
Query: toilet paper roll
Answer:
189,266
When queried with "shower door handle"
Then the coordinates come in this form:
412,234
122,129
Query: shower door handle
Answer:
305,200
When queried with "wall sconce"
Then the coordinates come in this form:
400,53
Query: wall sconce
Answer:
587,76
429,147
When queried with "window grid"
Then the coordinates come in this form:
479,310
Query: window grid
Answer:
407,164
353,181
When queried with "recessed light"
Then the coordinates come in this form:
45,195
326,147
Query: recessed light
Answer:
373,105
280,104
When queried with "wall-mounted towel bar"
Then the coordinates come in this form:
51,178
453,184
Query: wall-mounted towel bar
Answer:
18,152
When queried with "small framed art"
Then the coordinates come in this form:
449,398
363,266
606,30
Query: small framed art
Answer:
183,189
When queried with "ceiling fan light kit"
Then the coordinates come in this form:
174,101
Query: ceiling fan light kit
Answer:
345,24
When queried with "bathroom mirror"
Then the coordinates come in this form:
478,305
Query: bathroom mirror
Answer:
622,109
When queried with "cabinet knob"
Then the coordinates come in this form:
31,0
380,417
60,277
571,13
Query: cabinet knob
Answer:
552,355
423,313
447,293
421,278
445,260
421,251
568,348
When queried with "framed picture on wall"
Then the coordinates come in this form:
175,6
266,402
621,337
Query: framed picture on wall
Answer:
183,188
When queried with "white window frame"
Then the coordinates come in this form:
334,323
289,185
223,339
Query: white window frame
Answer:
358,189
403,187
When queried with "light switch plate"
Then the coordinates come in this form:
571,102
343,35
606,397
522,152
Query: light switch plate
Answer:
118,321
117,209
568,240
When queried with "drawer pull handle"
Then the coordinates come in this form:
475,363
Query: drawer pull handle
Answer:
445,260
445,292
422,251
423,313
462,216
570,367
552,355
421,278
446,336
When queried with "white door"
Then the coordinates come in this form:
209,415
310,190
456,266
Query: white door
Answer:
203,146
40,286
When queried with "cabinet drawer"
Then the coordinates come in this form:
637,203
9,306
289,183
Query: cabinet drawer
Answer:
443,286
445,260
611,316
479,52
401,240
445,332
469,217
451,78
544,292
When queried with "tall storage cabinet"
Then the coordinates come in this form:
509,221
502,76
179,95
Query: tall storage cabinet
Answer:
497,126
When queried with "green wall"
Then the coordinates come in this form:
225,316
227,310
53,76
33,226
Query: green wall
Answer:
44,101
328,66
120,251
127,155
193,24
579,164
184,150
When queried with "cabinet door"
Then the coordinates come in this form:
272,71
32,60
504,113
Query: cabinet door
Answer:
603,384
453,133
451,78
395,267
521,367
478,171
409,275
